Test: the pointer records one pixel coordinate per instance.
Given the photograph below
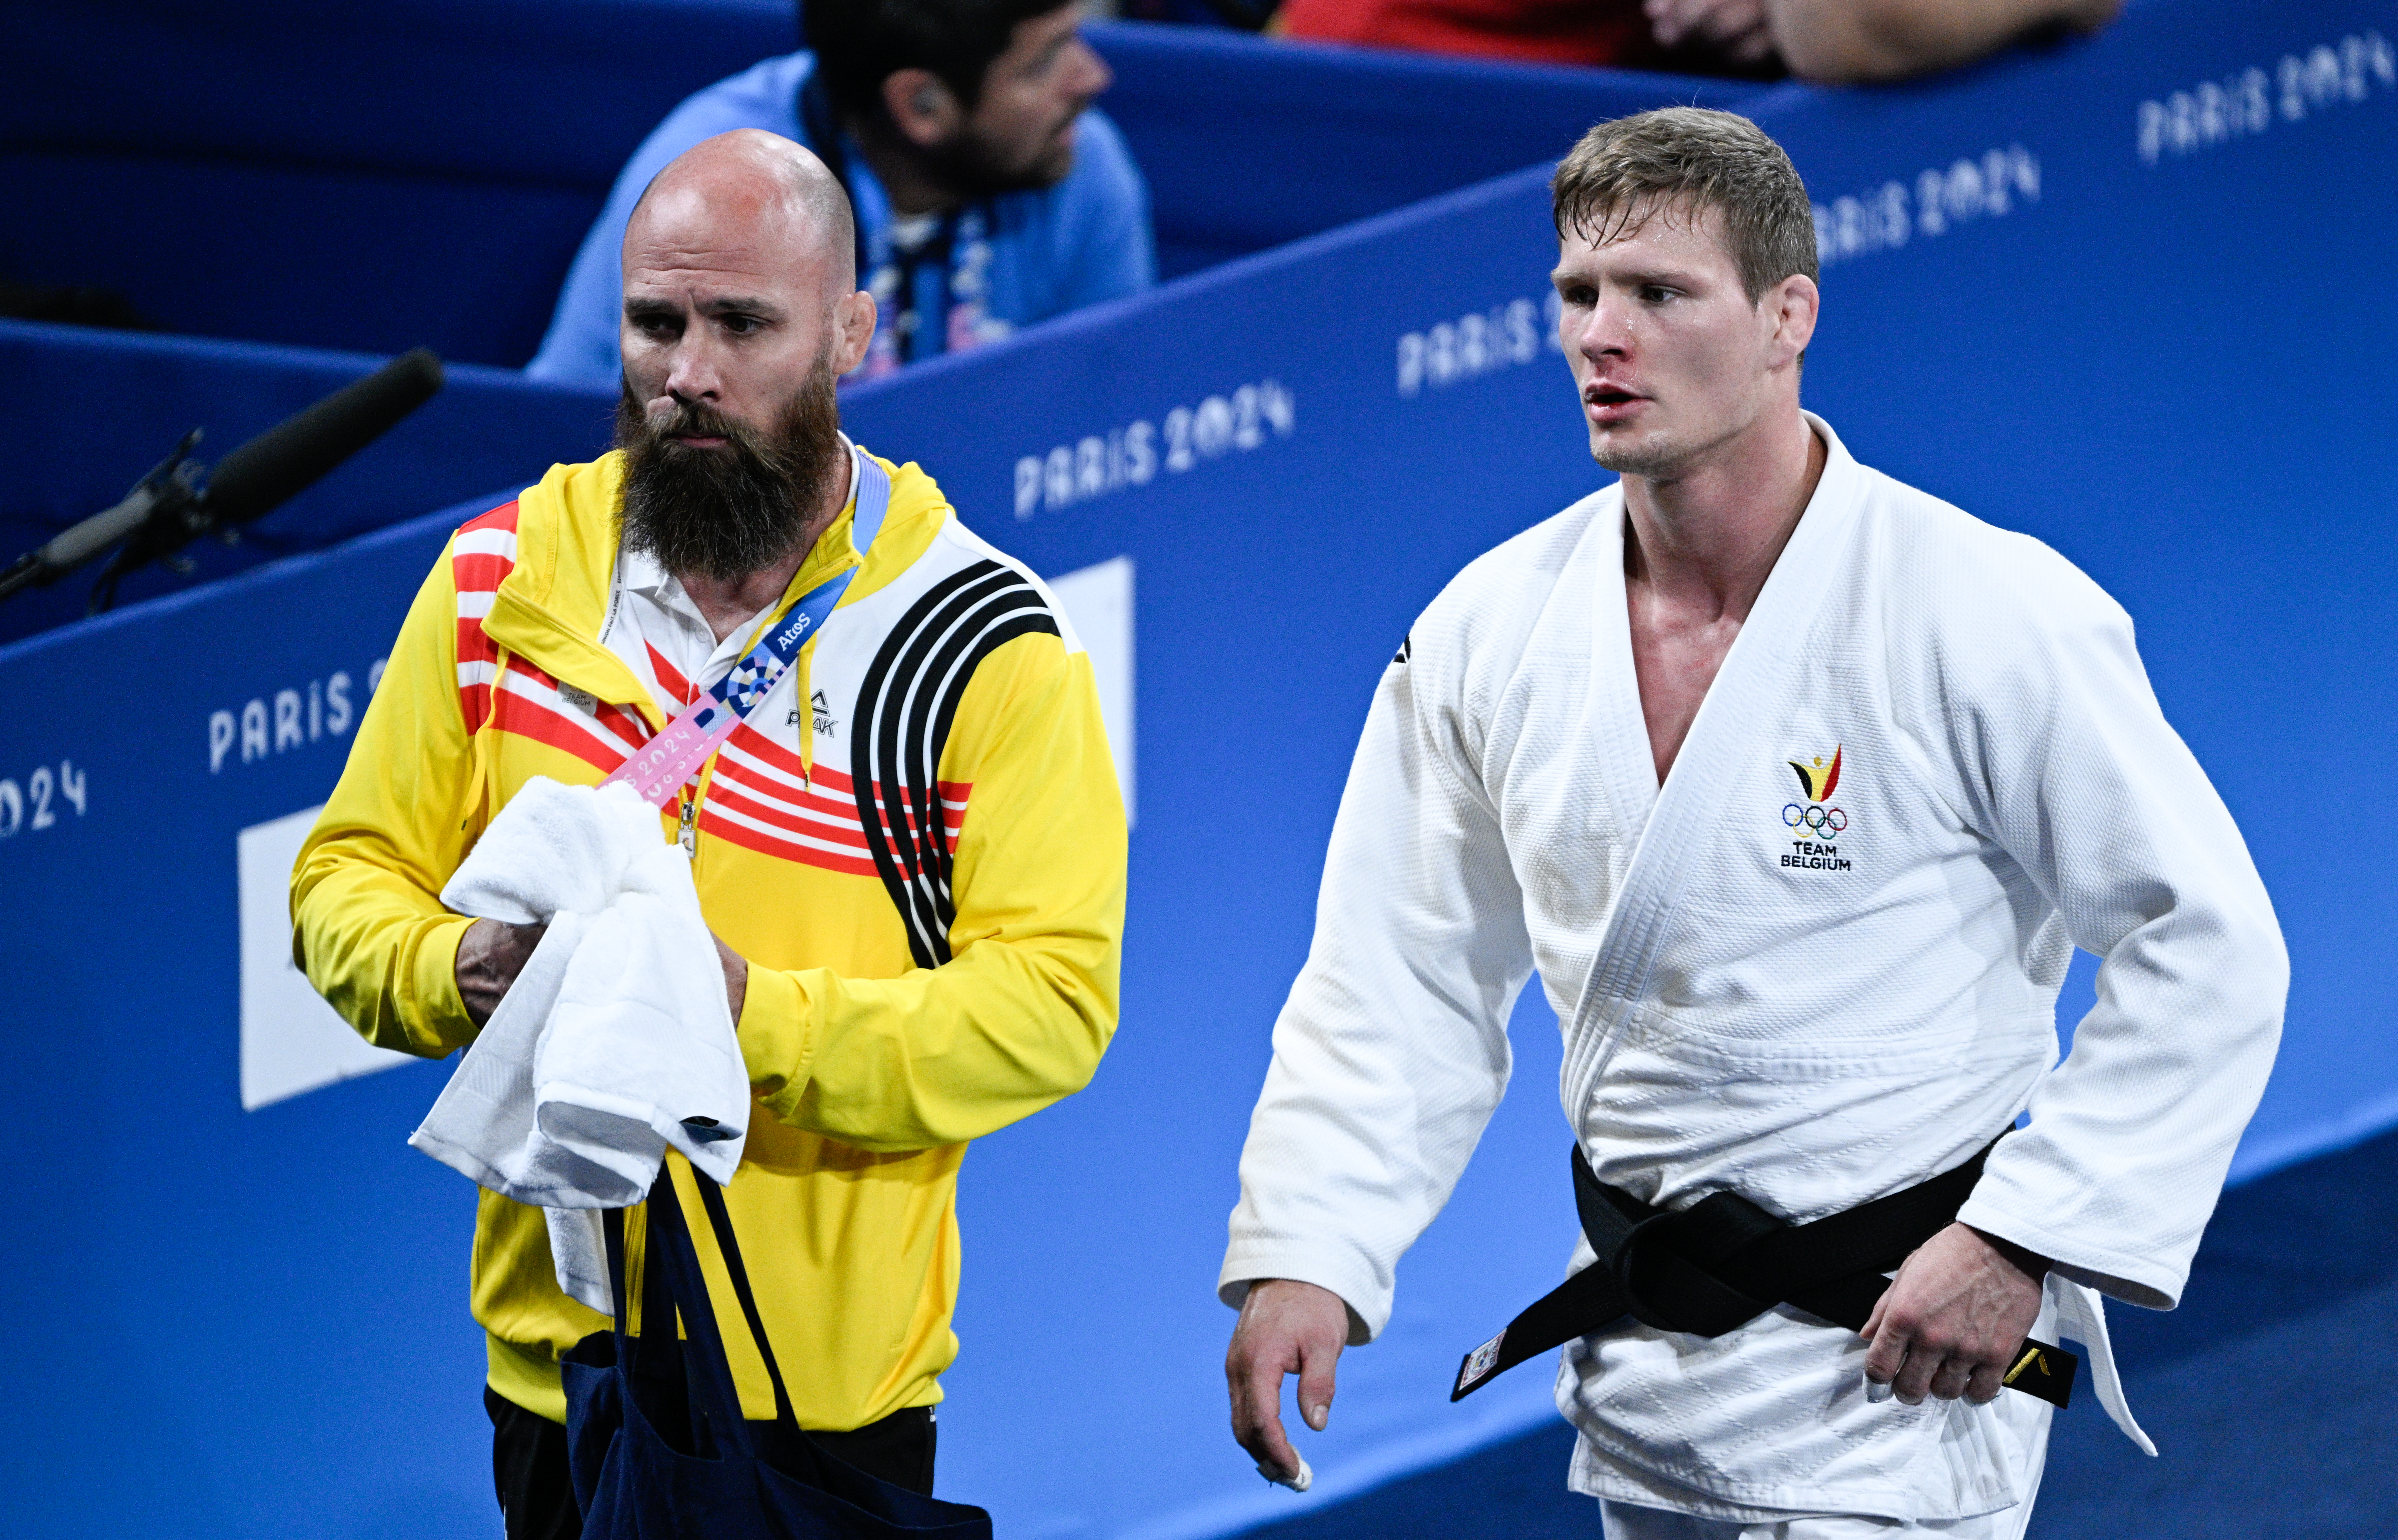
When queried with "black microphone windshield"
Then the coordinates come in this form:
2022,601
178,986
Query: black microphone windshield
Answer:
291,455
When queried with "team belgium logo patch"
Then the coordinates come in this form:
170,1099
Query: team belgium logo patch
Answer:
1815,823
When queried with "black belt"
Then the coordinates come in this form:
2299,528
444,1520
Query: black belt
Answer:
1723,1262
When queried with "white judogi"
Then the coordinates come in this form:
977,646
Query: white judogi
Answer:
1811,991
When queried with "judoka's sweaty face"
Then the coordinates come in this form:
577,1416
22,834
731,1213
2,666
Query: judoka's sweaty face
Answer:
1671,358
739,313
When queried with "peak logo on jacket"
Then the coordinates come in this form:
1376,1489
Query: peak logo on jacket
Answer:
825,720
1815,824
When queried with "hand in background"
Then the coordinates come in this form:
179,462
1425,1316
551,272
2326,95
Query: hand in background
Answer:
1740,30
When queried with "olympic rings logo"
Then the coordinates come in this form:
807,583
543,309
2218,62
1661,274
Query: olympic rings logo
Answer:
1815,817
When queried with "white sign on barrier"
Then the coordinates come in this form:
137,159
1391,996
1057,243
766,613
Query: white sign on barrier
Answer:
292,1042
1098,601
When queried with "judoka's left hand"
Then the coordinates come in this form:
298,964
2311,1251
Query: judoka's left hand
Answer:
1952,1320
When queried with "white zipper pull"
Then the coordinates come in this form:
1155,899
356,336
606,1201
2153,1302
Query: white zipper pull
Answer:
684,832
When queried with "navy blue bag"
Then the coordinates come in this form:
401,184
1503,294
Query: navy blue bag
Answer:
655,1439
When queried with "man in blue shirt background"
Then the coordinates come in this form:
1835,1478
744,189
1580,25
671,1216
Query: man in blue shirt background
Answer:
988,193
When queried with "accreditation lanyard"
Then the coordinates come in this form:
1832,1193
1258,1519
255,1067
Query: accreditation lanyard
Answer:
660,767
931,299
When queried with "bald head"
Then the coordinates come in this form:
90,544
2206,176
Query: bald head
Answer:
750,191
741,280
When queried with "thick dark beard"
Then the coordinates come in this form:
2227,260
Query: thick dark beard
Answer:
968,166
729,512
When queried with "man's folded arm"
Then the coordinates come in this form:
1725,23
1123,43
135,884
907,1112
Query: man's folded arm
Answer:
1392,1052
1020,1015
2094,796
368,925
1838,41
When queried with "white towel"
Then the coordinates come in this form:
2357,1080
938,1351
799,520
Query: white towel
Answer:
615,1040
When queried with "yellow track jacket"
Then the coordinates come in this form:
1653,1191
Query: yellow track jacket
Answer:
916,840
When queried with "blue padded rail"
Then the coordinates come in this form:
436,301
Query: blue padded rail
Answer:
419,172
92,410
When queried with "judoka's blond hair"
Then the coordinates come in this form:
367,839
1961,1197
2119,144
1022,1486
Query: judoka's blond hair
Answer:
1681,160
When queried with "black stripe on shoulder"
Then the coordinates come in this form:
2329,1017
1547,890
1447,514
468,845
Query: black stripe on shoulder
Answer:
905,709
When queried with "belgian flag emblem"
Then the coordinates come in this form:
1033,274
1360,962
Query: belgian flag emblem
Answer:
1818,781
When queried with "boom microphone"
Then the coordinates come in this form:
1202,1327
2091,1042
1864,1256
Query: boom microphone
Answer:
166,486
169,508
292,455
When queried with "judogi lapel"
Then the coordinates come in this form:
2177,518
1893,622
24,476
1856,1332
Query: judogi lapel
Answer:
1686,809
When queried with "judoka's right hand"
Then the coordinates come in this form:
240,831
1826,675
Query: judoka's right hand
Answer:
1286,1327
491,954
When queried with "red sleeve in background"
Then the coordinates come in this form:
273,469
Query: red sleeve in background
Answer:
1612,32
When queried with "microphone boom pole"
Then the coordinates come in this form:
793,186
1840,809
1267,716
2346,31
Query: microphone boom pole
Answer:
171,480
170,507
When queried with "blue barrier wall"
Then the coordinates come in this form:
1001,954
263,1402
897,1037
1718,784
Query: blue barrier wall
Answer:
419,172
2106,317
404,174
93,411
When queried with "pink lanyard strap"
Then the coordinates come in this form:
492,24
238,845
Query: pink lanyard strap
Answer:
660,767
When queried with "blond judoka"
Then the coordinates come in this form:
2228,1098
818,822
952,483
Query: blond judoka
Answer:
1798,787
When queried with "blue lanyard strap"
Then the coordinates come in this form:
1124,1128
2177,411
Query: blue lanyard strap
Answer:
748,681
659,767
921,293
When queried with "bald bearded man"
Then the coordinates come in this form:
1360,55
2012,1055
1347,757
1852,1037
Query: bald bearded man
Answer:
911,852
